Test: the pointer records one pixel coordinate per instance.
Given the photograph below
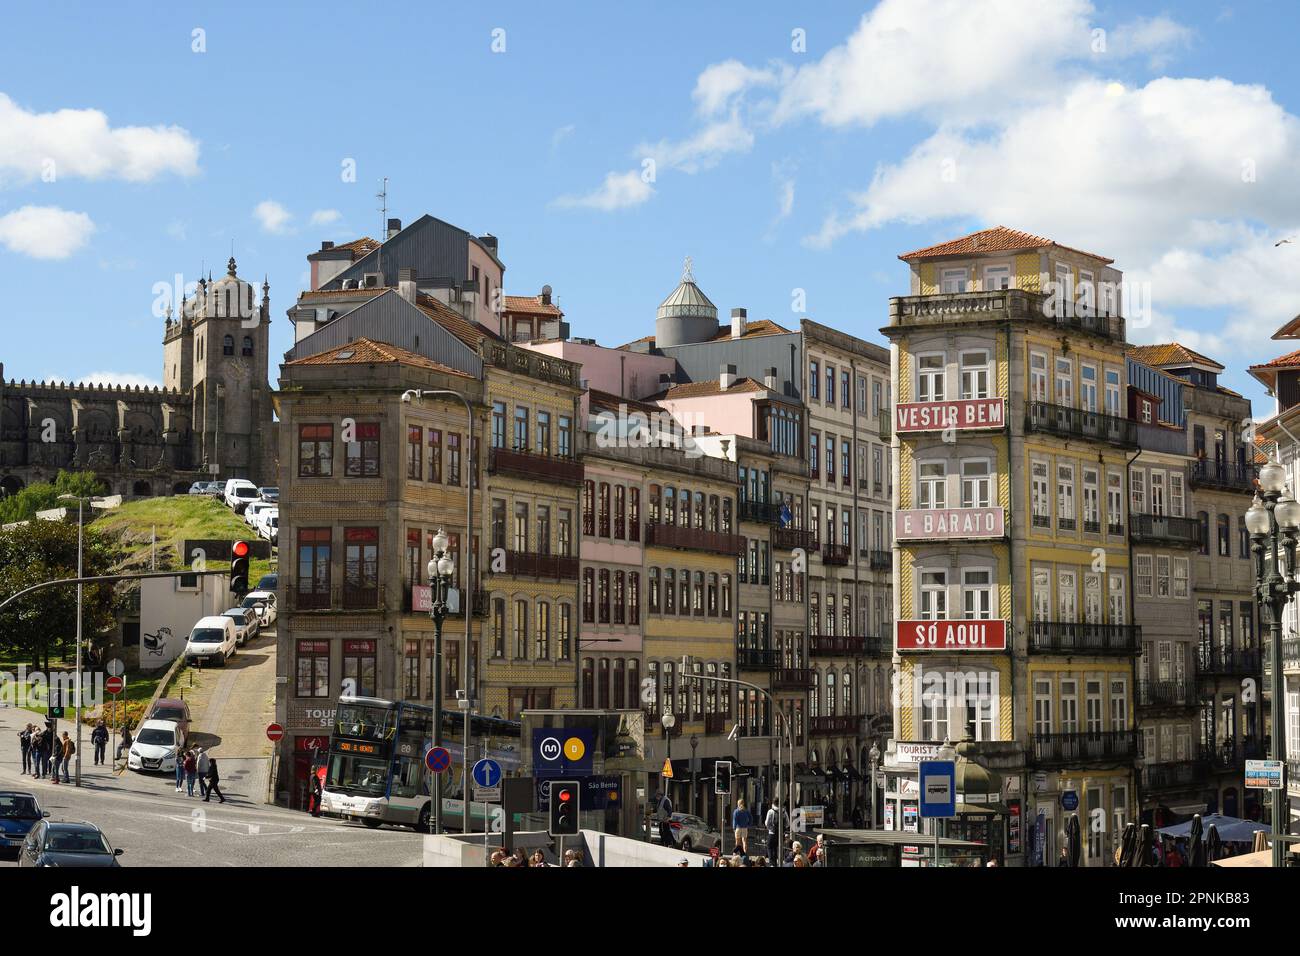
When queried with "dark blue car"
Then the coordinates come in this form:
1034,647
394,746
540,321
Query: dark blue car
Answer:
19,812
67,844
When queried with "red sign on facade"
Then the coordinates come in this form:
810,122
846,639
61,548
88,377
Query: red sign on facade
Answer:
358,647
963,415
974,635
421,598
941,523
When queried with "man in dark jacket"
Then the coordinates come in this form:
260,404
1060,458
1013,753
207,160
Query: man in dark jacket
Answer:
25,745
214,779
99,737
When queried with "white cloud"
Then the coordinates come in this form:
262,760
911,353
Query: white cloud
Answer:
127,379
561,134
45,232
81,143
273,217
618,191
1154,37
705,149
717,87
324,217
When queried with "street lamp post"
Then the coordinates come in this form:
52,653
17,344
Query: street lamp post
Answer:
1272,520
439,569
669,721
695,742
874,757
81,536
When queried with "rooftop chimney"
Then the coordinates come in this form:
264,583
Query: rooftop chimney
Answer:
769,379
726,376
326,245
738,322
406,285
394,227
490,241
546,295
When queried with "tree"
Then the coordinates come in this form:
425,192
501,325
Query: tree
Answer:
45,622
43,496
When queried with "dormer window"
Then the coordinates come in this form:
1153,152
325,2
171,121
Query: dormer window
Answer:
1146,410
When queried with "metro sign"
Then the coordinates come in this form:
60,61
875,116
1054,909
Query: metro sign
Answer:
943,523
973,635
969,414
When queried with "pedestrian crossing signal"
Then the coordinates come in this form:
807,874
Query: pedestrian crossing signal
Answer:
55,702
722,777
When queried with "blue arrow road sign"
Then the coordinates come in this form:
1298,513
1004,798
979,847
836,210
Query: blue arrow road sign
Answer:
487,773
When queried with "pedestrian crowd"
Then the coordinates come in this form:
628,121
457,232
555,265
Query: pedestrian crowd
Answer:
519,858
45,752
194,764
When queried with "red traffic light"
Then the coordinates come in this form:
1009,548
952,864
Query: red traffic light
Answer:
565,796
240,549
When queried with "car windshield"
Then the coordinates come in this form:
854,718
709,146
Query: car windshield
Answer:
76,841
168,713
254,602
156,737
245,492
268,492
18,808
207,635
236,616
367,721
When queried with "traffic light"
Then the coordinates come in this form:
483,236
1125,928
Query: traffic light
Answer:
239,552
564,808
722,777
55,703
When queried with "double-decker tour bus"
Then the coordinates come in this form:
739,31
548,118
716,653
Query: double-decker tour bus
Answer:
376,772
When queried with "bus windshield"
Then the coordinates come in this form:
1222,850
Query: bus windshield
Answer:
357,775
364,721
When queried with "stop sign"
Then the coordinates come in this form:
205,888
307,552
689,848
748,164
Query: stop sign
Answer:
114,685
274,732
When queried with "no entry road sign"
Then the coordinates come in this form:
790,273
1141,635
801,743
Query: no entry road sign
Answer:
274,732
114,685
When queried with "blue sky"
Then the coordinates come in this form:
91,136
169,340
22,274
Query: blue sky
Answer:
792,149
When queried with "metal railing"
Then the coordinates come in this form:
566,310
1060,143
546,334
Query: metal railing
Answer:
1223,475
761,512
1227,662
882,560
835,554
757,658
1166,693
528,464
822,726
1164,530
844,645
336,597
696,539
793,678
787,539
1077,423
1069,637
1175,774
533,565
1085,746
1232,754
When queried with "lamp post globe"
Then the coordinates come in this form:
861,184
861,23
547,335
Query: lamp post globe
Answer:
668,720
1287,512
440,542
1257,518
1272,477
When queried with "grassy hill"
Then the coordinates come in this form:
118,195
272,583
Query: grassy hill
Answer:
170,521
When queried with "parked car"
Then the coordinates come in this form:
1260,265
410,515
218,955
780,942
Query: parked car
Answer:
247,623
173,709
263,604
269,493
269,527
62,844
199,488
155,747
254,509
692,832
216,489
269,582
19,812
212,641
239,493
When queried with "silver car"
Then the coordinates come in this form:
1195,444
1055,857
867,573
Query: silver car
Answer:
692,833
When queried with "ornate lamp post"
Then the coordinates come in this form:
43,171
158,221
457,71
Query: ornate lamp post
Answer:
874,757
1272,520
440,569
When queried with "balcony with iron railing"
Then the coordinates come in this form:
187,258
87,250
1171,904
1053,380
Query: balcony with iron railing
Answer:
1232,754
793,678
757,658
787,539
1227,661
477,597
693,539
760,512
521,463
1293,774
335,598
1069,637
1223,476
530,564
837,725
1164,530
882,560
1173,694
1073,749
1290,653
999,306
844,645
836,554
1175,774
1067,422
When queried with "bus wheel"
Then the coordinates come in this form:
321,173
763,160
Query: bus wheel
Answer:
372,824
422,825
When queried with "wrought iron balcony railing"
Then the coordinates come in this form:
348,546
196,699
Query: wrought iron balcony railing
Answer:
527,464
787,539
1164,530
1175,775
1068,637
1077,423
1167,693
843,645
1227,662
1223,476
1100,746
694,539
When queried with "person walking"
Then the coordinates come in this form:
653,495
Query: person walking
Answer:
67,747
99,737
25,745
191,772
127,741
202,764
770,822
317,792
214,781
664,814
740,823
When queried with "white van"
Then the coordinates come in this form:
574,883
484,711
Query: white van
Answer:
239,493
212,641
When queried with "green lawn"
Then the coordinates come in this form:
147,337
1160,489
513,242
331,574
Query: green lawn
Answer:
172,520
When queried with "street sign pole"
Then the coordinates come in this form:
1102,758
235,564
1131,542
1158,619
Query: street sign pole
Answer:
938,785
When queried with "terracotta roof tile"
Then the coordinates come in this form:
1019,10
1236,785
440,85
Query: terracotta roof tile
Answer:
365,351
709,387
755,328
997,239
1290,360
645,338
339,293
530,304
1170,353
471,333
608,401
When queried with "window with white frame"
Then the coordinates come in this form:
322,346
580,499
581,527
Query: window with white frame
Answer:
1118,702
1176,494
1067,595
1137,491
1180,577
1092,597
934,595
1115,595
1093,714
1157,492
1163,576
929,378
953,280
932,485
1064,493
1114,499
1142,575
934,708
1040,494
1091,499
974,374
1069,705
1038,376
1065,382
975,699
1112,392
1088,387
1042,594
976,483
977,593
1043,707
997,277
